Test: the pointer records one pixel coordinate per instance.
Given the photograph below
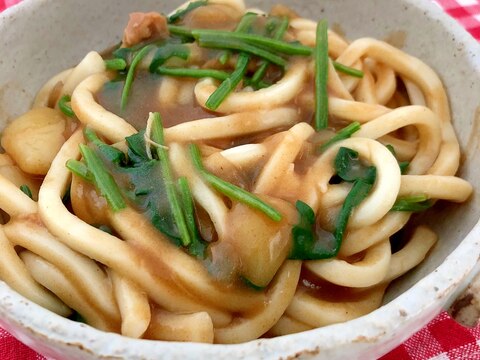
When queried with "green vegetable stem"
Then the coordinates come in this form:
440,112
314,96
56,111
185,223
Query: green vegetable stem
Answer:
232,191
313,243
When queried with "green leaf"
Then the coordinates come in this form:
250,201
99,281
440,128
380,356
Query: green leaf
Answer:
26,190
103,180
79,169
168,51
106,229
227,86
167,175
145,186
115,64
349,167
123,54
63,105
402,164
197,246
131,73
137,152
184,33
193,73
360,190
342,134
244,25
391,149
321,76
259,41
348,70
261,46
232,191
127,54
309,242
280,30
416,203
251,285
180,14
143,181
307,215
109,153
214,42
66,196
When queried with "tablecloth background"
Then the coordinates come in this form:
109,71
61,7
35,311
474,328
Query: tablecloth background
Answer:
441,339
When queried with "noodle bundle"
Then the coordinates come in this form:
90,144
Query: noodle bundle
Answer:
225,174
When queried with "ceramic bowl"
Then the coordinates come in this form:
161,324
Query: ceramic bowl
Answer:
41,37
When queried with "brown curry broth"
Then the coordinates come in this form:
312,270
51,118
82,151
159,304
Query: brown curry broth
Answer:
144,98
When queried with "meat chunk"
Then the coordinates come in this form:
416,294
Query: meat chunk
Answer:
144,26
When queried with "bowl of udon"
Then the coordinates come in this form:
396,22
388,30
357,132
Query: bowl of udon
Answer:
220,179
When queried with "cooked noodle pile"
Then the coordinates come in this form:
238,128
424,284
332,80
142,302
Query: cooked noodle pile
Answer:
186,187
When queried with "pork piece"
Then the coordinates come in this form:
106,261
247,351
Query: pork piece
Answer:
144,26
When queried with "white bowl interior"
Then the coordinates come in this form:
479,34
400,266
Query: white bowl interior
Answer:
41,37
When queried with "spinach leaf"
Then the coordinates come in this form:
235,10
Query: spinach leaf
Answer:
26,190
141,181
102,178
251,285
361,188
342,134
416,203
107,152
197,247
234,192
182,12
310,242
403,164
137,152
144,185
167,51
350,168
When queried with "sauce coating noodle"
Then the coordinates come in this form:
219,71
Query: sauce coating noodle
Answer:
262,181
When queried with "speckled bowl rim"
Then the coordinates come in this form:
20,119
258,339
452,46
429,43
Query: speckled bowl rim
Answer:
371,335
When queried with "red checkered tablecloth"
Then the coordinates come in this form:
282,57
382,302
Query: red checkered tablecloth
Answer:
441,339
467,13
7,3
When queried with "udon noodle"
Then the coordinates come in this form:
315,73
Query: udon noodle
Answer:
208,201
